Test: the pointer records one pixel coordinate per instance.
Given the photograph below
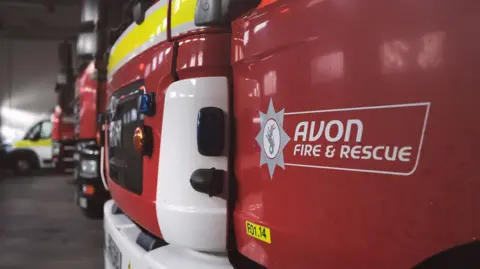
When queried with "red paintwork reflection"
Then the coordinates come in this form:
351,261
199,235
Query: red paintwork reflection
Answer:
266,2
88,90
61,130
328,55
203,55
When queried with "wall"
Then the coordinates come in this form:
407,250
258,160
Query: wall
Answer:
28,70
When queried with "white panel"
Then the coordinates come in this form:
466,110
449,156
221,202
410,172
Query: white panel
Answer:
124,237
186,217
43,153
124,233
173,257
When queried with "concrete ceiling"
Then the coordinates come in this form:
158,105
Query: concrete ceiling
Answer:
39,19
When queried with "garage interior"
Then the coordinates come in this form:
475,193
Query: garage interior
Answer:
40,225
239,134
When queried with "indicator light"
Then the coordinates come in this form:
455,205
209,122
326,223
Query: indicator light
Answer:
88,189
142,140
99,140
138,139
211,131
146,104
100,137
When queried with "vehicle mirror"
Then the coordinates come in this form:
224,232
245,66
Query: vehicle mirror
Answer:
90,12
58,88
87,45
221,12
61,79
65,55
87,26
139,10
65,77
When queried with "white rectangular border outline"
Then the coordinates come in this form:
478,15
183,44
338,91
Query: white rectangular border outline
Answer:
427,104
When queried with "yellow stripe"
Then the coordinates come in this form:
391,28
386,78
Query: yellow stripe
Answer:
153,25
30,143
183,11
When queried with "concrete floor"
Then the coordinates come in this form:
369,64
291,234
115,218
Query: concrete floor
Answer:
41,227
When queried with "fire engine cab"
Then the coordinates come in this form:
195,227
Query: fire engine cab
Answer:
90,191
293,134
90,94
63,142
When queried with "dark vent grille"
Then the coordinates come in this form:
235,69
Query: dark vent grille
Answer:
76,112
125,164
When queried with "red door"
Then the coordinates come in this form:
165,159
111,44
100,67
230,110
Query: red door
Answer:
357,134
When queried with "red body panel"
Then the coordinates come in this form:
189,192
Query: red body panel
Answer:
201,56
89,90
142,208
61,130
320,57
200,53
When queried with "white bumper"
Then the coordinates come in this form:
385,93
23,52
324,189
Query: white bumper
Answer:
124,233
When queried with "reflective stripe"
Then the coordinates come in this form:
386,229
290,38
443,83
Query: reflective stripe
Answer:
30,143
183,16
138,38
42,148
183,28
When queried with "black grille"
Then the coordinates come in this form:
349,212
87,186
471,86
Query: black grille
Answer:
125,164
76,112
68,148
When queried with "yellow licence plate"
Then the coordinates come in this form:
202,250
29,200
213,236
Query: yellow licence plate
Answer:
259,232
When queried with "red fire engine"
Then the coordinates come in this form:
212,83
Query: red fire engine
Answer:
90,95
294,134
63,142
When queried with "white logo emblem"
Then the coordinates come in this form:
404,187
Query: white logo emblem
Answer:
272,139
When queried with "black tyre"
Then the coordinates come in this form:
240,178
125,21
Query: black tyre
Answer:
23,166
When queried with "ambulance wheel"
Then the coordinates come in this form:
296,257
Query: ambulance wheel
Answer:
23,166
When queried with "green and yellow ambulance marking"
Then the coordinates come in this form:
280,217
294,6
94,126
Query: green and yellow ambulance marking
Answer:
30,144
